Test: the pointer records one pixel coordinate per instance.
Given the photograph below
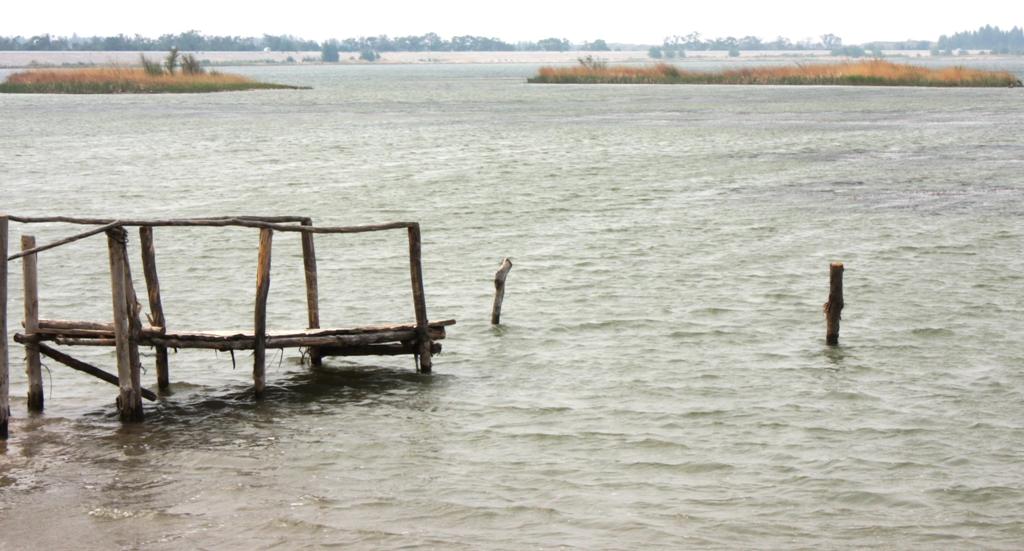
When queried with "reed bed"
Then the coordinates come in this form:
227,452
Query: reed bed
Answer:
126,80
862,73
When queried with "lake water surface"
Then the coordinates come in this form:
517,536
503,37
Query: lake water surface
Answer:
660,380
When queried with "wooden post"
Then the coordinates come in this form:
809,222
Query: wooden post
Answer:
312,291
33,367
834,306
129,401
262,292
156,307
134,319
5,381
419,301
499,290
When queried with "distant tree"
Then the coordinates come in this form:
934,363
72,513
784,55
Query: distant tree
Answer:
329,51
734,52
654,53
369,55
596,46
831,41
554,45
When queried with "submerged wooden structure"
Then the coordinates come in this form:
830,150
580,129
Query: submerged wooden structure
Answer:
126,332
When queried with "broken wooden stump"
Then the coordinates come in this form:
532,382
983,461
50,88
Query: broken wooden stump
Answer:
834,306
499,290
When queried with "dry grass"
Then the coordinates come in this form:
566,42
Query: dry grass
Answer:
125,80
863,73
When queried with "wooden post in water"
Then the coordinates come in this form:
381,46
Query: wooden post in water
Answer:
134,320
129,401
33,366
156,307
499,290
424,361
312,291
5,374
262,292
834,306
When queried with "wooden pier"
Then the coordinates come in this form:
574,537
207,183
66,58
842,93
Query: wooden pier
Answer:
126,332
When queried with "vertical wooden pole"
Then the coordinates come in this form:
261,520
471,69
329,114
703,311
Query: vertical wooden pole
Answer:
419,300
134,321
5,381
129,401
834,306
33,367
499,290
312,291
156,307
262,292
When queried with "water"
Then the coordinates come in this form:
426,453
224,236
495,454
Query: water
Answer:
660,380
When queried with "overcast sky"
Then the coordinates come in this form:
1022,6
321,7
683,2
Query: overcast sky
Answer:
638,22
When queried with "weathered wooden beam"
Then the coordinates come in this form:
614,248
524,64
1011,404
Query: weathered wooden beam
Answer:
312,289
245,222
33,367
499,290
94,221
79,365
129,401
400,349
419,299
45,324
65,241
156,307
5,372
260,331
834,306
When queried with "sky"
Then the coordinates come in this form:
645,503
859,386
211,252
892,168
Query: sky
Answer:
644,22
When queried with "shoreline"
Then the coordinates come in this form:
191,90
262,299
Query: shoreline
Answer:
40,59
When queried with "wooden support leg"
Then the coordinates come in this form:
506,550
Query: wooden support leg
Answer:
33,366
419,300
129,401
262,292
312,291
134,322
5,381
156,307
834,306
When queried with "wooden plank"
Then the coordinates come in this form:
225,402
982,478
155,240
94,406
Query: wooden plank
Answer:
260,331
33,366
834,306
5,371
156,307
312,288
129,402
499,290
79,365
423,358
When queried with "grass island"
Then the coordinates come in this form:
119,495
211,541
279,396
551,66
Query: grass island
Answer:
864,73
176,75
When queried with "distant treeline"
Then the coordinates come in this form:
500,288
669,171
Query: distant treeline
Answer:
985,38
193,41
